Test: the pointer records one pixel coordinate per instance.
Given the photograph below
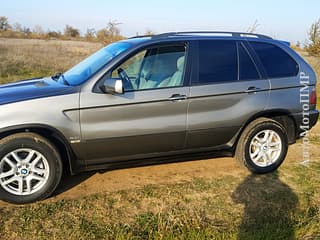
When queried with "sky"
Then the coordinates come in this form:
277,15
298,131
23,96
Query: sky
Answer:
286,20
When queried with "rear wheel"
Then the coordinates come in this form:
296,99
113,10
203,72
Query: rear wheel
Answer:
30,168
262,146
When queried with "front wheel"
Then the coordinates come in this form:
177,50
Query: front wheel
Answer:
262,146
30,168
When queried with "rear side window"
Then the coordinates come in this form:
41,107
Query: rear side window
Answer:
247,69
276,62
217,62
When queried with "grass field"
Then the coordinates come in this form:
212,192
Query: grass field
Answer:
28,58
282,205
230,205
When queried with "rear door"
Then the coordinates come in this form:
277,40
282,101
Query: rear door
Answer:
226,90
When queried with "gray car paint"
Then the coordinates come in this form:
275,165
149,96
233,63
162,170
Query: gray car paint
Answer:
133,123
56,112
216,112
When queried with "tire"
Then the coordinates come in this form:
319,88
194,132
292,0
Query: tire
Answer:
263,146
30,168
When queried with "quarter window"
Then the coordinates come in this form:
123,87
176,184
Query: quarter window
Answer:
276,61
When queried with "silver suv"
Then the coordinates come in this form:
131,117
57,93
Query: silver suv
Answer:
155,98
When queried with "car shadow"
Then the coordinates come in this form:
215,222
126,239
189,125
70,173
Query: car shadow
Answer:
269,205
69,181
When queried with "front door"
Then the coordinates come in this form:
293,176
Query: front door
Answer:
149,118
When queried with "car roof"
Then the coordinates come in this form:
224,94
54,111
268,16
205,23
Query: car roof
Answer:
202,35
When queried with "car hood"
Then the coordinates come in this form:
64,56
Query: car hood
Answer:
32,89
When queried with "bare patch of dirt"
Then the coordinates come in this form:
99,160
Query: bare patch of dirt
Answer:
85,184
171,173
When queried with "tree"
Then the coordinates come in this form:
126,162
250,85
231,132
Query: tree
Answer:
17,27
254,27
38,30
26,31
314,32
113,29
110,33
149,32
71,32
53,34
4,24
102,35
313,47
90,34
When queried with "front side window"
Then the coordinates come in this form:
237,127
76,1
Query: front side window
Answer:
153,68
276,61
217,62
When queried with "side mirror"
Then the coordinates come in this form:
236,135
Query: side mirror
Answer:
112,86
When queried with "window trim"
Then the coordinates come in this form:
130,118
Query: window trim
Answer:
255,59
186,71
252,60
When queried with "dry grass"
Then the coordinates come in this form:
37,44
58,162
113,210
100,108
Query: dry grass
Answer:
314,61
282,205
27,58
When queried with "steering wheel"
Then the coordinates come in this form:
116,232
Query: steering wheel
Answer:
127,84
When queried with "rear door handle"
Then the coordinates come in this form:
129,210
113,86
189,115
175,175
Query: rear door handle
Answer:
177,97
252,89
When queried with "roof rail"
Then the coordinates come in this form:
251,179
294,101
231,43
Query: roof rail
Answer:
233,34
141,36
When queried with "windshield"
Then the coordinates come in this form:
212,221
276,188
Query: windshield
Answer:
88,67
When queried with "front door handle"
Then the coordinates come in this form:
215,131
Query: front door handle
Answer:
177,97
252,89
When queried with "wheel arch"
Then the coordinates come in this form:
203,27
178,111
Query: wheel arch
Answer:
50,133
282,116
